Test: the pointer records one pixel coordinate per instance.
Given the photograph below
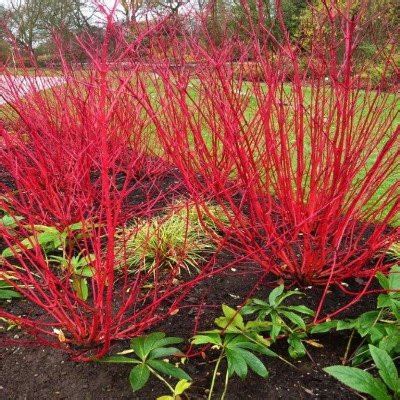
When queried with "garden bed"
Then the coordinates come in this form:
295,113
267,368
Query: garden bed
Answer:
37,373
42,373
202,232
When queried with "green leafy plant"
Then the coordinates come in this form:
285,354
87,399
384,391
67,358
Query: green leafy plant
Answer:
7,291
364,382
379,327
394,251
9,221
237,342
286,320
79,267
149,356
48,238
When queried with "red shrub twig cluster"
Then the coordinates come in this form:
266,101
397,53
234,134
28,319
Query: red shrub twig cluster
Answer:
297,160
78,158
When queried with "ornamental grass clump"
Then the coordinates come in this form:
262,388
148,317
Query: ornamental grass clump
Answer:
174,240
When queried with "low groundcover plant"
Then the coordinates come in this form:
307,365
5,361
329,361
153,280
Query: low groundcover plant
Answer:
175,239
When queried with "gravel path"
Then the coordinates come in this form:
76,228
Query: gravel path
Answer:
14,87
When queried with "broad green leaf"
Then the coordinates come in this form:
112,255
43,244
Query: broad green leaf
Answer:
7,294
247,310
236,340
152,341
359,380
324,327
258,348
236,363
383,280
258,326
285,295
84,289
366,321
301,309
211,338
80,287
276,325
27,243
253,362
386,367
296,347
76,226
384,300
166,341
181,386
139,376
377,333
167,397
137,346
275,294
161,352
233,316
346,324
294,318
9,221
227,325
87,272
394,278
391,341
169,369
47,237
259,302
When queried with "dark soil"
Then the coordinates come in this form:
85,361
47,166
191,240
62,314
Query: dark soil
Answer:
43,373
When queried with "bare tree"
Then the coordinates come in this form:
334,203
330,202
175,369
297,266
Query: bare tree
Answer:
131,9
24,21
33,21
166,6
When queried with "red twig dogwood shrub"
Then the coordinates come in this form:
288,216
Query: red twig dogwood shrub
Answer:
78,169
303,161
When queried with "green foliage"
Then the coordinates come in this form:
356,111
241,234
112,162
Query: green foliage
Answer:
7,291
380,327
238,350
8,221
171,241
364,382
179,389
286,320
237,342
394,251
79,267
150,352
48,238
